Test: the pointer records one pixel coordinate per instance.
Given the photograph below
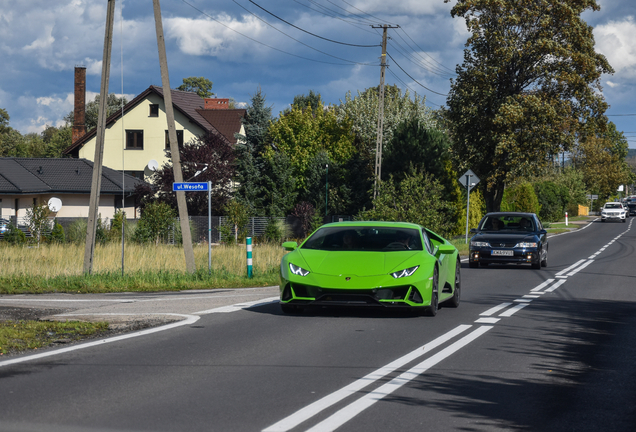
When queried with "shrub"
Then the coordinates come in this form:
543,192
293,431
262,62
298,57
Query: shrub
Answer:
419,198
273,232
14,235
76,232
520,198
156,223
553,200
57,233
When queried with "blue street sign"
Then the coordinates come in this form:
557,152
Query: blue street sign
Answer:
190,187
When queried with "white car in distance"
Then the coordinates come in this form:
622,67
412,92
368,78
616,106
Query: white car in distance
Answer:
613,211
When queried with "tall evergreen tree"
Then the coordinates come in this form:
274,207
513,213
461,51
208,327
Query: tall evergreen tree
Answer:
250,162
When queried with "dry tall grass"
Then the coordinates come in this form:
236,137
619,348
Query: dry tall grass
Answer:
67,259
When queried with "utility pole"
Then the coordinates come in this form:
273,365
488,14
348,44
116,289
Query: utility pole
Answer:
96,184
172,136
378,145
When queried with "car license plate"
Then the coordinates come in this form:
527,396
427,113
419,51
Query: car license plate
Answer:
501,252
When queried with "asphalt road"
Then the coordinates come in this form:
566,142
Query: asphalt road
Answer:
538,350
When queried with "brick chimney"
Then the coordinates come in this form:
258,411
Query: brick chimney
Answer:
216,104
79,113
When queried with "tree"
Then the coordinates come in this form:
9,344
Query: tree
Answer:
528,88
427,149
601,160
312,100
199,85
302,134
419,198
250,148
207,158
398,107
4,121
37,220
114,103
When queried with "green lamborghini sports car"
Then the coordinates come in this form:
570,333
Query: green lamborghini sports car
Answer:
391,264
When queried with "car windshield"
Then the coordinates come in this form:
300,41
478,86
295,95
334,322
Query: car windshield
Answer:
365,238
612,206
507,223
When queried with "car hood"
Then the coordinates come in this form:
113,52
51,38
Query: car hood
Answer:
358,263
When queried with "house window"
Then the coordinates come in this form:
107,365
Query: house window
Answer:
154,110
136,174
135,139
179,139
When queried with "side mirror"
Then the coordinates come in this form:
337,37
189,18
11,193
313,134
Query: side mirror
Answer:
446,249
543,232
474,230
290,245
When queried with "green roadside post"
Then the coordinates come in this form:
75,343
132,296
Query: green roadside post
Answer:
248,243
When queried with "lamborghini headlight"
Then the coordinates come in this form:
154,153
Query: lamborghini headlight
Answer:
299,271
525,245
404,273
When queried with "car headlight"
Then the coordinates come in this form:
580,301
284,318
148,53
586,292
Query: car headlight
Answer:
479,244
404,273
526,245
299,271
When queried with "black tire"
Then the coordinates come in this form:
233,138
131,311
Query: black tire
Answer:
544,262
537,265
454,300
290,309
432,309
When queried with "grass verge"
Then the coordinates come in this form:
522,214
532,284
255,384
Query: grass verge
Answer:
18,336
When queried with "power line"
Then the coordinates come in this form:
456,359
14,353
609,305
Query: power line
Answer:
407,86
334,15
435,70
374,17
432,58
308,32
407,74
349,62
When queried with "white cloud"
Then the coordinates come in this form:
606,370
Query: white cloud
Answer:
382,7
206,37
615,40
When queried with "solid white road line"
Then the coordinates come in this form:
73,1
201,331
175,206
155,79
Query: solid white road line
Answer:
238,306
189,319
347,413
311,410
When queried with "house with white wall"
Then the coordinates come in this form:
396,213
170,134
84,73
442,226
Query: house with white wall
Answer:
138,134
28,181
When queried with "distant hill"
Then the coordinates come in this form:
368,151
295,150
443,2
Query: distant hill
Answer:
631,153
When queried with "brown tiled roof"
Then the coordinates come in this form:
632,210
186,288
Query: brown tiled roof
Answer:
48,175
228,122
188,103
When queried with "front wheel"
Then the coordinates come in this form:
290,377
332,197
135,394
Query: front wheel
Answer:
432,309
454,300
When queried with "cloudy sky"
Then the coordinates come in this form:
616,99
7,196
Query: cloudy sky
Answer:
328,46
